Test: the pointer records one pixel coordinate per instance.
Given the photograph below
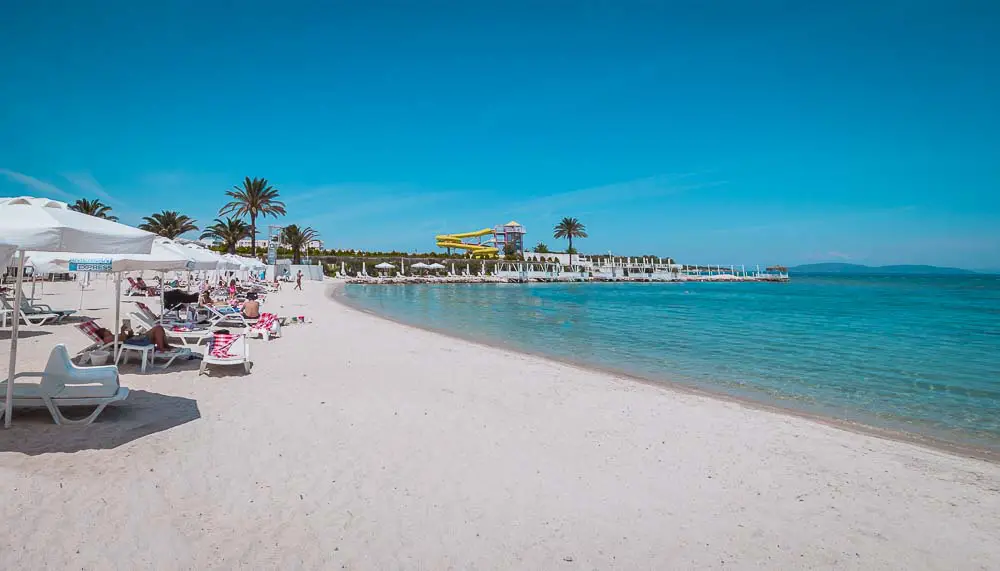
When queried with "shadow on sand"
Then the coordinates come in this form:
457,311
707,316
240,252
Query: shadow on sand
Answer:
23,333
143,413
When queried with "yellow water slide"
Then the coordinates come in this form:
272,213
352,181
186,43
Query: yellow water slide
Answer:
477,250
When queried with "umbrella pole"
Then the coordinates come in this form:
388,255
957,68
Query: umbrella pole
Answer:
163,306
9,399
118,311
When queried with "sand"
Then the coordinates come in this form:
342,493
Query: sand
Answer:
359,443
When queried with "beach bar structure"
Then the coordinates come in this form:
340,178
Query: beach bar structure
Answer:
562,267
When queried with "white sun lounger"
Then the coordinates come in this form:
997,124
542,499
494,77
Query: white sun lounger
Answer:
219,318
30,318
40,308
186,338
65,384
239,354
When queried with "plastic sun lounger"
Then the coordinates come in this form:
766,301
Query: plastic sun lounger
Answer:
31,318
145,310
43,309
135,289
89,329
267,326
65,384
217,317
235,352
187,338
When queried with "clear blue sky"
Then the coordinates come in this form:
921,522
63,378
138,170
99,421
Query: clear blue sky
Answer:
714,132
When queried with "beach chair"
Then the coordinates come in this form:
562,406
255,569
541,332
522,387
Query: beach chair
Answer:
89,329
30,318
65,384
267,326
225,314
187,336
147,312
134,288
226,349
42,309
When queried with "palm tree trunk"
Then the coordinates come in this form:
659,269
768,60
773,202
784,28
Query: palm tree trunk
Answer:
570,250
253,235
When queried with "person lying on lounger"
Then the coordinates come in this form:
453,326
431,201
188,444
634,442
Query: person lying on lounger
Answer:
155,336
150,290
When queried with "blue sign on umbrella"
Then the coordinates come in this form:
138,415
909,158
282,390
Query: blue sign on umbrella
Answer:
91,265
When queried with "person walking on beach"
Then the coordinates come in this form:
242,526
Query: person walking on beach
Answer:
298,280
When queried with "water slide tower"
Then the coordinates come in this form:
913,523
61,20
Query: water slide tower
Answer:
509,233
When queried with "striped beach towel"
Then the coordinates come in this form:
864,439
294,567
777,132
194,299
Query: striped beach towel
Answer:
221,343
90,329
265,322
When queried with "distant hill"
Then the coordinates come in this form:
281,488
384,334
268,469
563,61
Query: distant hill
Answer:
839,268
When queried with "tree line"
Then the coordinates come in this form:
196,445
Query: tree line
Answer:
254,199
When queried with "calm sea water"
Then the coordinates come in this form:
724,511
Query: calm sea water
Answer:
920,354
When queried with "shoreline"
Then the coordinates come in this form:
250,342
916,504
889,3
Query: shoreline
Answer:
335,292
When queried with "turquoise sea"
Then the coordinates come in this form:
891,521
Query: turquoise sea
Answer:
913,353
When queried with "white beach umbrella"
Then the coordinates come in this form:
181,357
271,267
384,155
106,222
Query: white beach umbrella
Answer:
252,263
202,258
41,224
436,266
47,225
234,262
164,256
385,266
419,266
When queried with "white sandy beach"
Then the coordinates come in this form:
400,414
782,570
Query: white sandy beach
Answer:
359,443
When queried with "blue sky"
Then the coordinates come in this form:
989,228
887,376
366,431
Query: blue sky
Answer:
713,132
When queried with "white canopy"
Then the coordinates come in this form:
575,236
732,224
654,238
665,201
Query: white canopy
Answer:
436,266
44,225
419,265
252,263
165,255
233,262
385,266
202,258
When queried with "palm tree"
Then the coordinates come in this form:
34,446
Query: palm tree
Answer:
169,224
297,238
570,228
255,198
228,231
94,208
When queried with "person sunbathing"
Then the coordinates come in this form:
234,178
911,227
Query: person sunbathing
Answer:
251,309
156,336
150,290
